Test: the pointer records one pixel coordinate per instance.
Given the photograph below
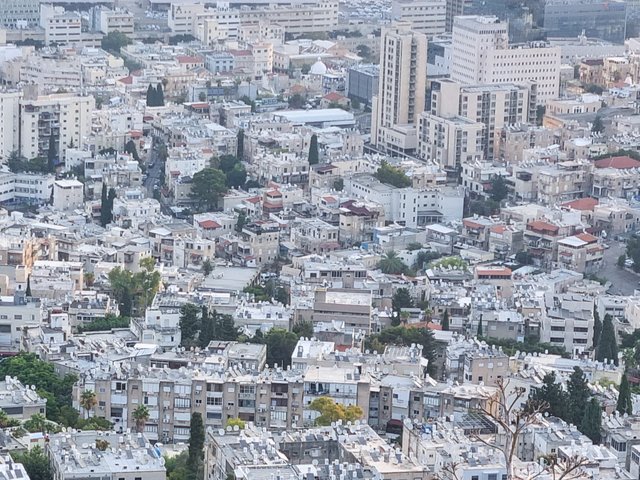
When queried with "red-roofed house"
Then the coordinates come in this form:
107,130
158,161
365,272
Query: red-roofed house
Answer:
581,253
334,99
189,61
541,242
214,225
582,204
621,163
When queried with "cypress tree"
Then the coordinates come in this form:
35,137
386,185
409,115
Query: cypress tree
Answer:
52,154
591,421
624,404
104,206
159,96
597,327
479,333
206,329
314,156
28,290
607,345
110,198
579,394
240,149
552,393
196,445
445,320
151,94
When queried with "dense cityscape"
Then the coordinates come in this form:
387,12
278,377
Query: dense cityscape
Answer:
319,240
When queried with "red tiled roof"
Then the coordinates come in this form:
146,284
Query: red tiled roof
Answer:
586,237
253,200
540,225
274,193
584,204
333,97
126,80
498,228
209,224
135,133
622,162
493,271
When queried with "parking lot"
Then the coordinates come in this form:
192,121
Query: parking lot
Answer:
623,282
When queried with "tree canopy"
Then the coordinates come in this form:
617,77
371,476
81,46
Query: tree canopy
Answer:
114,41
331,411
208,186
135,291
392,175
607,348
405,336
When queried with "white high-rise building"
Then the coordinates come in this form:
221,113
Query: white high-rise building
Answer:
426,16
66,118
9,122
482,55
19,13
401,89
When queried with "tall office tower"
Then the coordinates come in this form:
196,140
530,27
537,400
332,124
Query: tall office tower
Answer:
604,19
425,16
482,55
401,89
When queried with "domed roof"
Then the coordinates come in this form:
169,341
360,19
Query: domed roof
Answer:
318,68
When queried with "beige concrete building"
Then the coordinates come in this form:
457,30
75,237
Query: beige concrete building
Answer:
493,106
425,16
68,195
63,29
482,54
10,114
401,89
451,142
352,306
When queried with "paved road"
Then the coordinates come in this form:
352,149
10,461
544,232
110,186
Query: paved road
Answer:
623,282
153,174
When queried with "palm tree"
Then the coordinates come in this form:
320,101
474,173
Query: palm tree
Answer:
88,401
37,423
141,415
391,263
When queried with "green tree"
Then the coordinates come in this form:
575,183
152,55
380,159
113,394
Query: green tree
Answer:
207,267
189,324
151,96
296,101
196,446
131,149
35,462
597,327
578,391
624,404
314,155
392,264
111,196
240,143
499,189
401,299
208,186
591,422
52,154
280,345
236,422
597,126
391,175
27,291
479,332
303,329
37,423
331,411
414,246
107,323
365,52
226,327
208,327
140,415
104,205
607,345
6,421
177,466
338,185
134,291
445,320
159,98
88,401
114,41
621,259
405,336
552,393
242,221
237,177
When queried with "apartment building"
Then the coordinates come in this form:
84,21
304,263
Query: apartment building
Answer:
600,19
451,142
20,401
17,313
68,195
568,322
581,253
401,89
312,235
75,455
10,114
426,16
362,82
59,118
490,106
109,21
482,55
